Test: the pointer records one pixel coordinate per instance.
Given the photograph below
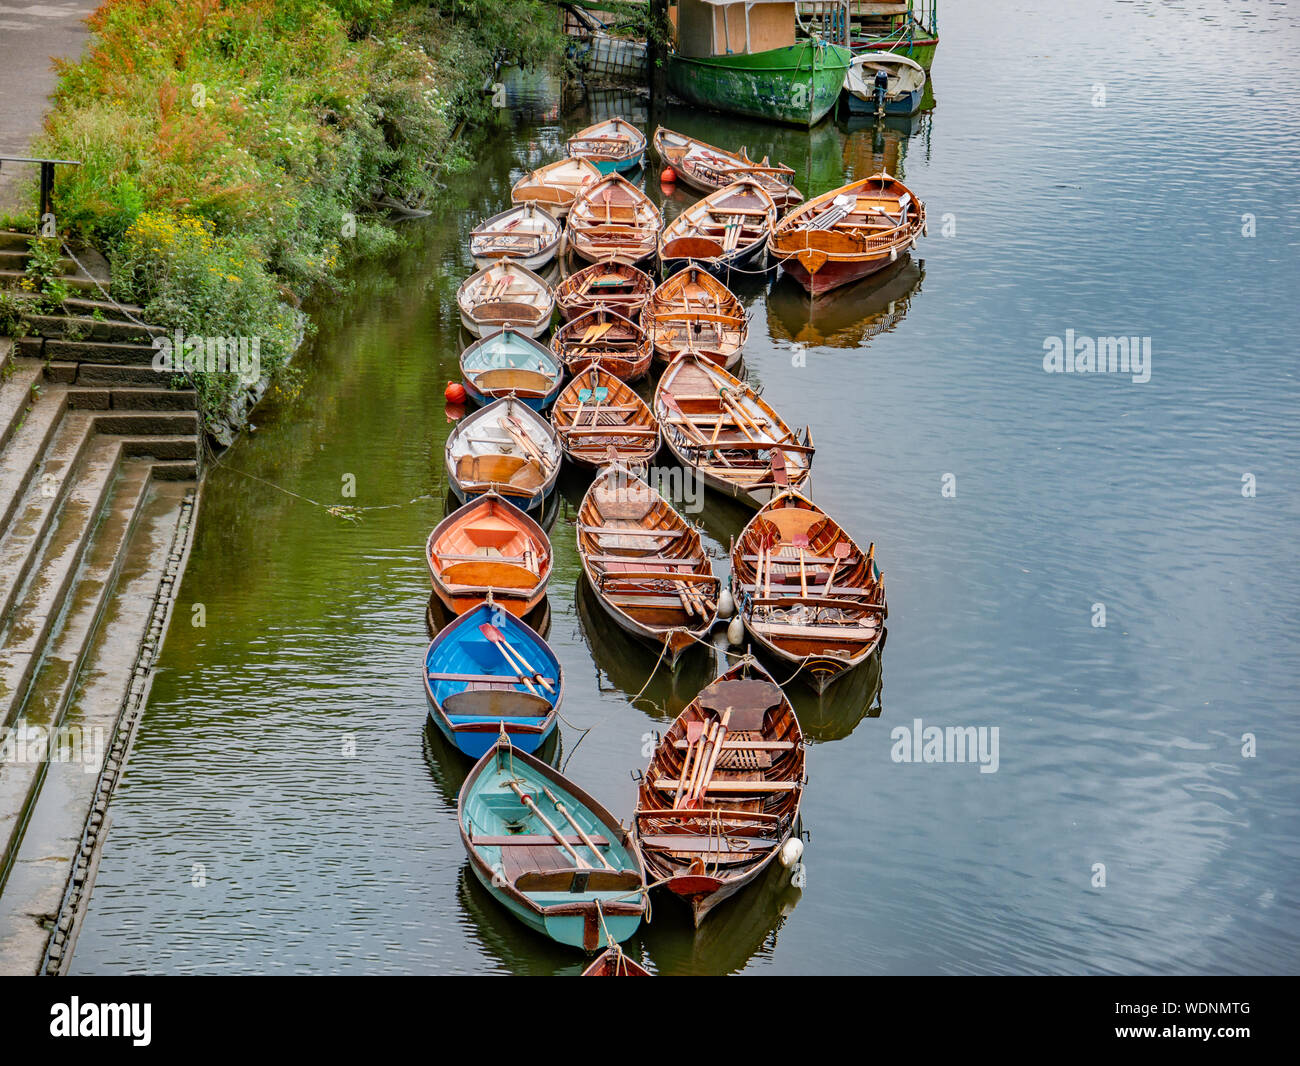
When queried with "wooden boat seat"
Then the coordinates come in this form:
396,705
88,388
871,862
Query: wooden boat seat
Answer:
746,745
642,561
692,813
513,470
480,679
506,311
507,379
485,572
691,842
531,839
732,785
497,703
850,634
572,880
749,701
606,531
692,248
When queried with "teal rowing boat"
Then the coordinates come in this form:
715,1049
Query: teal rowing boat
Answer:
548,852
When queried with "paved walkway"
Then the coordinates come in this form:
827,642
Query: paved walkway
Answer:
31,35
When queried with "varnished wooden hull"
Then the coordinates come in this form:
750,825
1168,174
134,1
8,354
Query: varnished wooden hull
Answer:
834,275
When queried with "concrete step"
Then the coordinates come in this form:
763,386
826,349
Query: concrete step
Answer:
97,374
55,844
16,395
26,446
18,258
84,327
11,239
13,278
148,423
104,398
61,659
113,353
184,447
81,305
41,601
35,510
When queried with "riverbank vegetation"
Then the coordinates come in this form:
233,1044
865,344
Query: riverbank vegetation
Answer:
235,152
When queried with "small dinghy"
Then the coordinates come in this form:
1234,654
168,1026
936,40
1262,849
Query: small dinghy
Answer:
487,673
728,228
611,284
506,448
806,592
717,425
505,294
695,312
704,168
646,564
848,233
508,362
606,339
549,853
555,185
614,145
527,234
600,419
612,962
884,83
720,799
489,548
613,219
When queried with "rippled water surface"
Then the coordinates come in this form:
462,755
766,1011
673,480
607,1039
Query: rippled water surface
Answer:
1120,745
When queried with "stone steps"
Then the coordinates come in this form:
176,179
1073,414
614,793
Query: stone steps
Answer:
99,460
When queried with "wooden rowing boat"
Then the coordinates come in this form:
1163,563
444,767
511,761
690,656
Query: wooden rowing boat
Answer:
848,233
807,593
505,294
526,233
717,425
476,690
507,363
489,548
597,414
555,185
726,230
646,563
612,962
614,145
705,167
613,219
605,338
548,852
695,312
611,284
507,448
721,795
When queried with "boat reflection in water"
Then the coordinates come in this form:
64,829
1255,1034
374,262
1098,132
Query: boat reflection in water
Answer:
847,317
623,664
856,695
739,930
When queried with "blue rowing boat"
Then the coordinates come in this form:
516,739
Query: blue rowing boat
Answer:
548,852
508,362
473,690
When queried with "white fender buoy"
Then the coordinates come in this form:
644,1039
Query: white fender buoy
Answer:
791,852
925,230
893,254
726,605
735,631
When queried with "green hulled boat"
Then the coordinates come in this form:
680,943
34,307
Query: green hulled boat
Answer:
743,58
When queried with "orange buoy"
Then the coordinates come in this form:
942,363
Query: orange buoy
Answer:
455,392
668,175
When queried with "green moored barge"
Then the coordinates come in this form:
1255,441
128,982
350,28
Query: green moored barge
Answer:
742,57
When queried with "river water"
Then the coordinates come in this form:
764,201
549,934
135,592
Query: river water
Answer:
1094,168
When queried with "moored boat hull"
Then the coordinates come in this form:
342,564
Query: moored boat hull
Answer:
834,274
797,85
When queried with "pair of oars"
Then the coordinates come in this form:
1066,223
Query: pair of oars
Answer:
531,804
511,654
710,748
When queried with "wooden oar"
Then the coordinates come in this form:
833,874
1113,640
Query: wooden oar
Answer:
697,798
841,551
499,639
528,802
577,828
694,730
699,763
801,542
510,662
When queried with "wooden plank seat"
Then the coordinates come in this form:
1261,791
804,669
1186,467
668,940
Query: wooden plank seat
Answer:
608,531
703,843
814,601
731,785
530,839
819,560
494,702
695,813
746,745
647,560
